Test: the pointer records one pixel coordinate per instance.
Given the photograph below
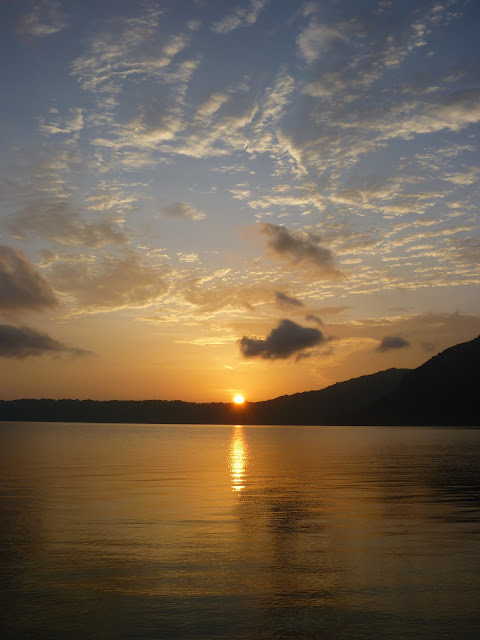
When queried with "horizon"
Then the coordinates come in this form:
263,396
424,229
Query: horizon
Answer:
248,199
238,403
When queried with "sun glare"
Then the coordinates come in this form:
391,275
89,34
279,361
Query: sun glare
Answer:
238,399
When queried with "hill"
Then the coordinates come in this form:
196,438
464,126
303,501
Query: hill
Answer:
442,391
337,404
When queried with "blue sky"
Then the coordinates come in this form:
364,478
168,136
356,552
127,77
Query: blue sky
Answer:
179,176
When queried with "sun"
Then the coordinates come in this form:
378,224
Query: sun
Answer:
238,399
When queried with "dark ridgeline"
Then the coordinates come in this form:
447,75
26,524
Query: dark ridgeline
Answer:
337,404
443,391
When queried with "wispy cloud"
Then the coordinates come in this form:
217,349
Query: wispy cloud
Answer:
311,317
55,220
126,52
109,282
317,38
56,124
46,18
183,210
284,301
43,200
240,17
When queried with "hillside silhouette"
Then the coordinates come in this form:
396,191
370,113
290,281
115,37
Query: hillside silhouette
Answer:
337,404
442,391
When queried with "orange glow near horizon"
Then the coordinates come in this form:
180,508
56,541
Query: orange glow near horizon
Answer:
238,399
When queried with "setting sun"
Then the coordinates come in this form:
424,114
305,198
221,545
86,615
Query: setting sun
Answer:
238,399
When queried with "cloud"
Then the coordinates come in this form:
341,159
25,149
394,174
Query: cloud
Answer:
67,125
222,290
286,302
46,201
265,135
45,19
21,286
240,17
392,342
332,310
299,248
459,110
446,329
129,49
54,219
113,282
287,339
211,105
316,39
183,210
154,125
285,200
217,129
310,317
21,342
466,250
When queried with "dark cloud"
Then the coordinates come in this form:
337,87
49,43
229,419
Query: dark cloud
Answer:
392,342
299,248
21,342
21,286
282,342
310,317
287,302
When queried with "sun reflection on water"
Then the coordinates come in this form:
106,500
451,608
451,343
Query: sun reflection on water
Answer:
238,458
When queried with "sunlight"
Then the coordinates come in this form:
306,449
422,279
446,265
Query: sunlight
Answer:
238,399
238,459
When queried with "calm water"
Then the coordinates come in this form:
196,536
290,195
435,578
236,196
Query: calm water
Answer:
258,533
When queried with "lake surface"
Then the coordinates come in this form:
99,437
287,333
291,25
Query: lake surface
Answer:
240,533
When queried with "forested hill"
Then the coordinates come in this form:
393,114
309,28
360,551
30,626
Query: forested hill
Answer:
337,404
443,391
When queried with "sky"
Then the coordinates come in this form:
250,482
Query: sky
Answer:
202,198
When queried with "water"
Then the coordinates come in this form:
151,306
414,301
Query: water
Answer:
240,533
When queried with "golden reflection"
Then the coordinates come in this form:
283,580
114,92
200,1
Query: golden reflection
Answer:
238,458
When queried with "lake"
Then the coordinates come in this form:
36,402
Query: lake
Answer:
114,531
